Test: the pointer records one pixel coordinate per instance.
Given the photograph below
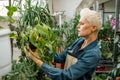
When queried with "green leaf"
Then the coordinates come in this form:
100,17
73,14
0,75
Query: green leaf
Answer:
109,55
40,30
49,46
32,39
24,37
13,35
11,10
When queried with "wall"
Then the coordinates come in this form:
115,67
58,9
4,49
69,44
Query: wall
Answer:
67,7
109,6
3,10
108,9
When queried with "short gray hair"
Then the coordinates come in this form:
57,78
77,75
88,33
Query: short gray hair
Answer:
92,16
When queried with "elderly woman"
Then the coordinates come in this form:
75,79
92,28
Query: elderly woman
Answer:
82,57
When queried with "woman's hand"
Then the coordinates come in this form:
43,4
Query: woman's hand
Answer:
30,53
33,55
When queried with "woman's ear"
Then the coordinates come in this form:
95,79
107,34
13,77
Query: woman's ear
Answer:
94,28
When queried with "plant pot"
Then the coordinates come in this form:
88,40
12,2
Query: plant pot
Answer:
5,52
32,47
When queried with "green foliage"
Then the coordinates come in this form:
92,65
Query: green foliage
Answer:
42,35
43,38
105,36
11,10
106,31
106,47
116,70
34,28
1,27
35,14
71,30
22,70
102,76
67,34
13,35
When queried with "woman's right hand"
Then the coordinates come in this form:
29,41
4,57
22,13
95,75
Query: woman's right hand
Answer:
33,55
30,53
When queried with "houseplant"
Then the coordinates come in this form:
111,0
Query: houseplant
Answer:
34,28
43,38
105,36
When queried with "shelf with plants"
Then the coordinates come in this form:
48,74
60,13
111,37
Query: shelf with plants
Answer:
105,36
115,47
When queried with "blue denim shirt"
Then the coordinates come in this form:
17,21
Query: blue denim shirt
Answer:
88,59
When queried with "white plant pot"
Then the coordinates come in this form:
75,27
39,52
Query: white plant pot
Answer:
5,52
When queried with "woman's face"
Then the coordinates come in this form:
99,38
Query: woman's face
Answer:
84,28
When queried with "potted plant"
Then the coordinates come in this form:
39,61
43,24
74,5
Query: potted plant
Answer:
105,37
43,39
34,28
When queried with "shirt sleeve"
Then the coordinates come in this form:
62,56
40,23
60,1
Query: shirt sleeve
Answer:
60,57
81,67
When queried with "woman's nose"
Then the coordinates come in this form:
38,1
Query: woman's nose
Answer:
78,25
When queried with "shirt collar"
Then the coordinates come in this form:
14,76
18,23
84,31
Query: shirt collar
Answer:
91,45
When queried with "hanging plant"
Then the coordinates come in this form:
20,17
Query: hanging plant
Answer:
32,15
35,29
42,39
